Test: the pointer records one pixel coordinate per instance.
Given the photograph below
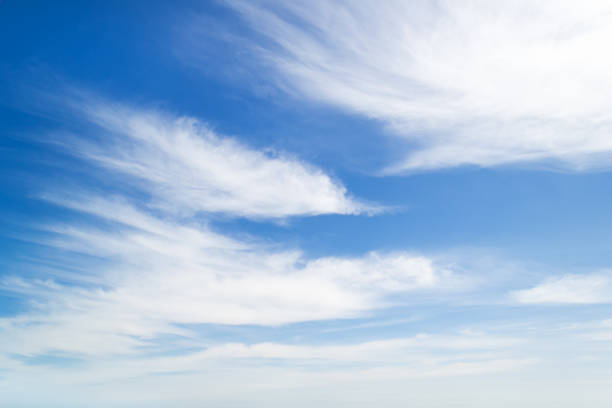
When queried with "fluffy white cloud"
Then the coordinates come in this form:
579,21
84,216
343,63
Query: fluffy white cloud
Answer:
593,288
187,168
465,82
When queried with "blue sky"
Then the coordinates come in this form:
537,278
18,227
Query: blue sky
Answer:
264,203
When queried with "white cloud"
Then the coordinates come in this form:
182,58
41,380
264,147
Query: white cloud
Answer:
585,289
264,367
479,82
191,379
157,273
389,351
187,168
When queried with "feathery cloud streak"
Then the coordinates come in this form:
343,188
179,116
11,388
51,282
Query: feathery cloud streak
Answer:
161,273
187,168
576,289
465,83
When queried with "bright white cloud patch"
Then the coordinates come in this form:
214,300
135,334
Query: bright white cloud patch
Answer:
594,288
188,168
482,83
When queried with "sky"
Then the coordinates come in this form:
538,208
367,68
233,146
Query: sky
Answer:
266,204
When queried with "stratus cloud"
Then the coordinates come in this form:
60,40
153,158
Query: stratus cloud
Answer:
219,366
187,168
207,375
585,289
481,83
158,273
395,350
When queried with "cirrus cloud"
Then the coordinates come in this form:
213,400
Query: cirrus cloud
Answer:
571,289
186,168
463,83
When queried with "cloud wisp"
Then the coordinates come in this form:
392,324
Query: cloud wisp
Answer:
463,83
267,367
569,289
187,168
159,273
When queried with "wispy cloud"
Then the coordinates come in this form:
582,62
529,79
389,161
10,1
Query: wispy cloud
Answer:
474,83
585,289
187,168
192,378
374,351
263,367
158,273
